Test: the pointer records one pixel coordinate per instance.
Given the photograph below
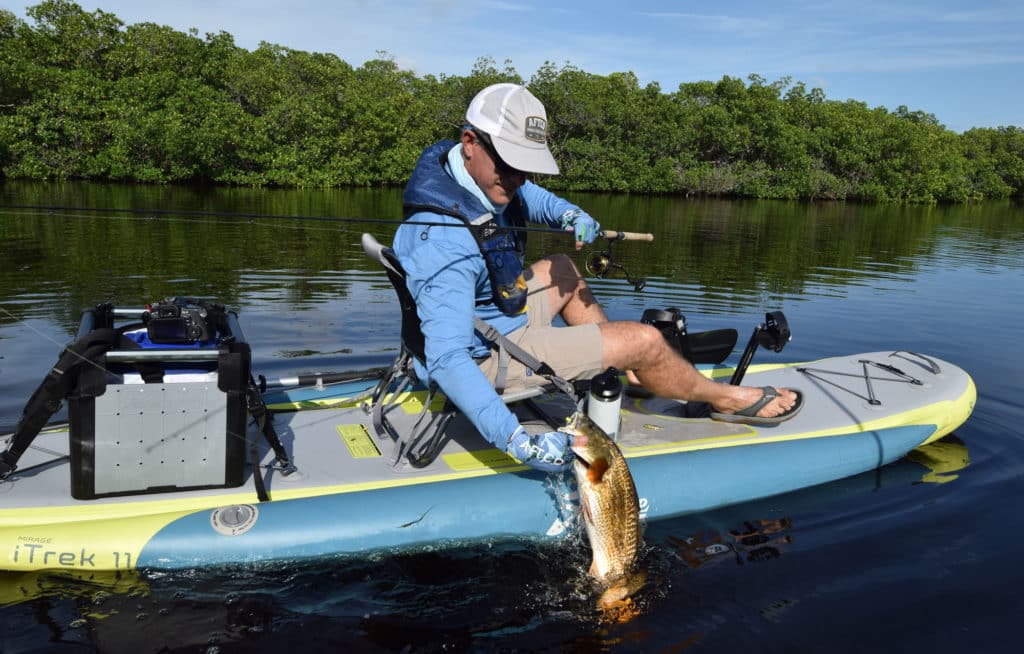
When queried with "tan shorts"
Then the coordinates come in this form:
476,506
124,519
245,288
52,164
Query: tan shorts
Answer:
572,352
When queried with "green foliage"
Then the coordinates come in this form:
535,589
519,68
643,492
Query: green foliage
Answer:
84,96
996,161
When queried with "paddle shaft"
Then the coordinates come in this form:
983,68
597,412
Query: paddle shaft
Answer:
323,378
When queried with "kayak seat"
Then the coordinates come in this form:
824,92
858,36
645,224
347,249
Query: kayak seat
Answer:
412,337
425,442
427,438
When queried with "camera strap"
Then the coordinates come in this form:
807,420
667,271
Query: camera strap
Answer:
60,382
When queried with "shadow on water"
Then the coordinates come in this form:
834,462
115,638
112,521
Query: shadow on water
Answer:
459,599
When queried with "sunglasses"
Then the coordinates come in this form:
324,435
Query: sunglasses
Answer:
499,164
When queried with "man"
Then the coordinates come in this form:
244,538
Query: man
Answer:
456,272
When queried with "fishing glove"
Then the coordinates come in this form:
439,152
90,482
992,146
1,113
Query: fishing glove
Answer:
549,452
580,222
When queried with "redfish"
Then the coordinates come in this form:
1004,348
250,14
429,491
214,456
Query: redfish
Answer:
610,509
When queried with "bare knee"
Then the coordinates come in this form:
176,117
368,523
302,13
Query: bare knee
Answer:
650,340
567,292
557,270
632,345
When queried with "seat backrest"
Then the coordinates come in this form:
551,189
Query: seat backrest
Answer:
412,336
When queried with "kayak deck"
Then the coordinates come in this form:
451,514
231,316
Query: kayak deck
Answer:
342,462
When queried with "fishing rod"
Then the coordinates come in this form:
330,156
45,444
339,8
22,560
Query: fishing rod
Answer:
598,265
610,234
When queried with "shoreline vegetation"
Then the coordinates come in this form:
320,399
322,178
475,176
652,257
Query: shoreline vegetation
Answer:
84,96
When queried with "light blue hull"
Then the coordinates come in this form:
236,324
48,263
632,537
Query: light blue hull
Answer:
518,505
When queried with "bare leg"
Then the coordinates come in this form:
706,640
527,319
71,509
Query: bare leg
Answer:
568,293
640,349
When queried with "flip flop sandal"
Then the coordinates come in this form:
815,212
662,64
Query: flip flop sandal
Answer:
748,416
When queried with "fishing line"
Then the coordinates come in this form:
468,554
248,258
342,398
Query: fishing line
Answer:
170,215
203,217
154,213
37,332
196,217
189,221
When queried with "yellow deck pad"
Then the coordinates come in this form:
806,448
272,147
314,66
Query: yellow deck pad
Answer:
357,440
478,459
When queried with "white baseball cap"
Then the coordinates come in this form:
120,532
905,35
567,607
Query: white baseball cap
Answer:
517,124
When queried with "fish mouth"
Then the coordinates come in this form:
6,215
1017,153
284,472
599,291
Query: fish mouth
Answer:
582,461
581,453
571,430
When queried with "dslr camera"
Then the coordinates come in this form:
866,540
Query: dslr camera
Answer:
178,321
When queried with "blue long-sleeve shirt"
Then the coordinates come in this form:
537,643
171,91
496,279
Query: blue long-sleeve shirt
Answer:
448,279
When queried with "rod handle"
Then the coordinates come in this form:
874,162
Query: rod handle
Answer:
627,236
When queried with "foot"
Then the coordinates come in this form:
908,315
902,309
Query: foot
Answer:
742,397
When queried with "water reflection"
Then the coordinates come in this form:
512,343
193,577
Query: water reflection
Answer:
482,597
755,541
457,600
762,530
943,280
714,255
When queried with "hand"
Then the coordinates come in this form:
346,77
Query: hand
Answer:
548,452
581,223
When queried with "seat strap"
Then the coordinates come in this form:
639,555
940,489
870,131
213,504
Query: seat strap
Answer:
501,378
508,349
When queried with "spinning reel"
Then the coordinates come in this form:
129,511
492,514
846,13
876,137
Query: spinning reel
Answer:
600,263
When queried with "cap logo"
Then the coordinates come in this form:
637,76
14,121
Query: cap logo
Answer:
536,129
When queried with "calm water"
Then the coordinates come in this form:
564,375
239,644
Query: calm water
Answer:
923,554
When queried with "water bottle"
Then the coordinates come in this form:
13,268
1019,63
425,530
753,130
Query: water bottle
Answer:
605,401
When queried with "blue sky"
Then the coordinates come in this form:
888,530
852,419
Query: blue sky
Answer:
962,61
